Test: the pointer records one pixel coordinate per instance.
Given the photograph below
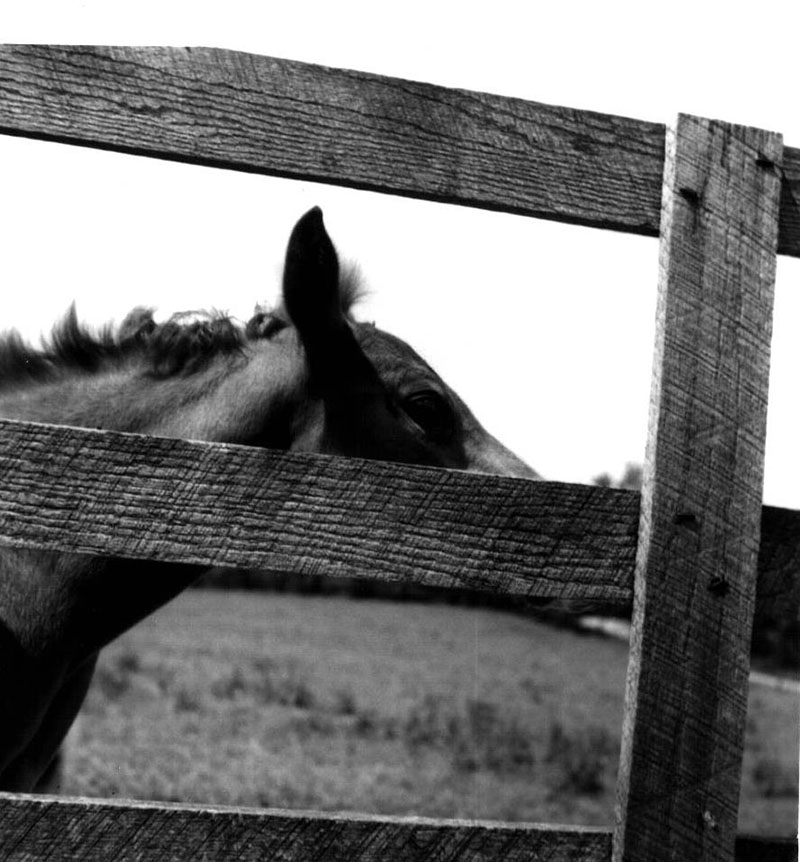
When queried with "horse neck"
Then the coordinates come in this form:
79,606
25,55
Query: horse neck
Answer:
64,607
109,399
71,605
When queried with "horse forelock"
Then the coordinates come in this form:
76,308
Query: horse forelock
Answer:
189,341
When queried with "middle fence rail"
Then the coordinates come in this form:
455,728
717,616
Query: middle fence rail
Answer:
179,501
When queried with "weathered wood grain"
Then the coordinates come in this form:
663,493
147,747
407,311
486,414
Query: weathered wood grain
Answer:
156,498
695,583
290,119
72,830
125,495
40,828
296,120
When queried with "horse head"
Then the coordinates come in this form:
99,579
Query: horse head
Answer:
367,393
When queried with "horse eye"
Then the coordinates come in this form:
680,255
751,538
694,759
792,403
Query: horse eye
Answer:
432,413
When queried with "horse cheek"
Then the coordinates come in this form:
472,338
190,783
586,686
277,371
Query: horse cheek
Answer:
308,432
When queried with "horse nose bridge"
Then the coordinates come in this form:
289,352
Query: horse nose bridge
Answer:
488,455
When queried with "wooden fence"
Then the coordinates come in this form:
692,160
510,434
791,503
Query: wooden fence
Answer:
697,554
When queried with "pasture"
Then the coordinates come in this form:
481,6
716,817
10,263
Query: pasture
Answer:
373,706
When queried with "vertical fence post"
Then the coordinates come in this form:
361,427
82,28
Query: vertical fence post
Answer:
686,697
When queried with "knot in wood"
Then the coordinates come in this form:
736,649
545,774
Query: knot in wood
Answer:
688,520
689,195
718,586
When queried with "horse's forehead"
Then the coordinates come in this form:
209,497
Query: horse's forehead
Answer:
389,353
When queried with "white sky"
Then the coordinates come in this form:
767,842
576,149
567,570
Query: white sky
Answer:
546,330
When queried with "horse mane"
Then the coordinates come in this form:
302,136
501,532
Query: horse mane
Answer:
180,346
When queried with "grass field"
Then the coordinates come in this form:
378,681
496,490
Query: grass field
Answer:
331,703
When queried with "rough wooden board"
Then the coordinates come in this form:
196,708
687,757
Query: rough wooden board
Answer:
125,495
686,696
49,828
292,119
156,498
281,117
73,830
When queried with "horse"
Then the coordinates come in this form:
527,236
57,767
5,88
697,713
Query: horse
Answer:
304,376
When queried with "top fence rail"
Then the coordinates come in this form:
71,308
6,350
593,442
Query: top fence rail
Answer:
284,118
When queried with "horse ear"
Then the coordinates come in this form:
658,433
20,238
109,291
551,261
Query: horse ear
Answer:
312,299
311,281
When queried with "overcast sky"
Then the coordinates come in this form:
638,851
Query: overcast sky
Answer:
546,330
